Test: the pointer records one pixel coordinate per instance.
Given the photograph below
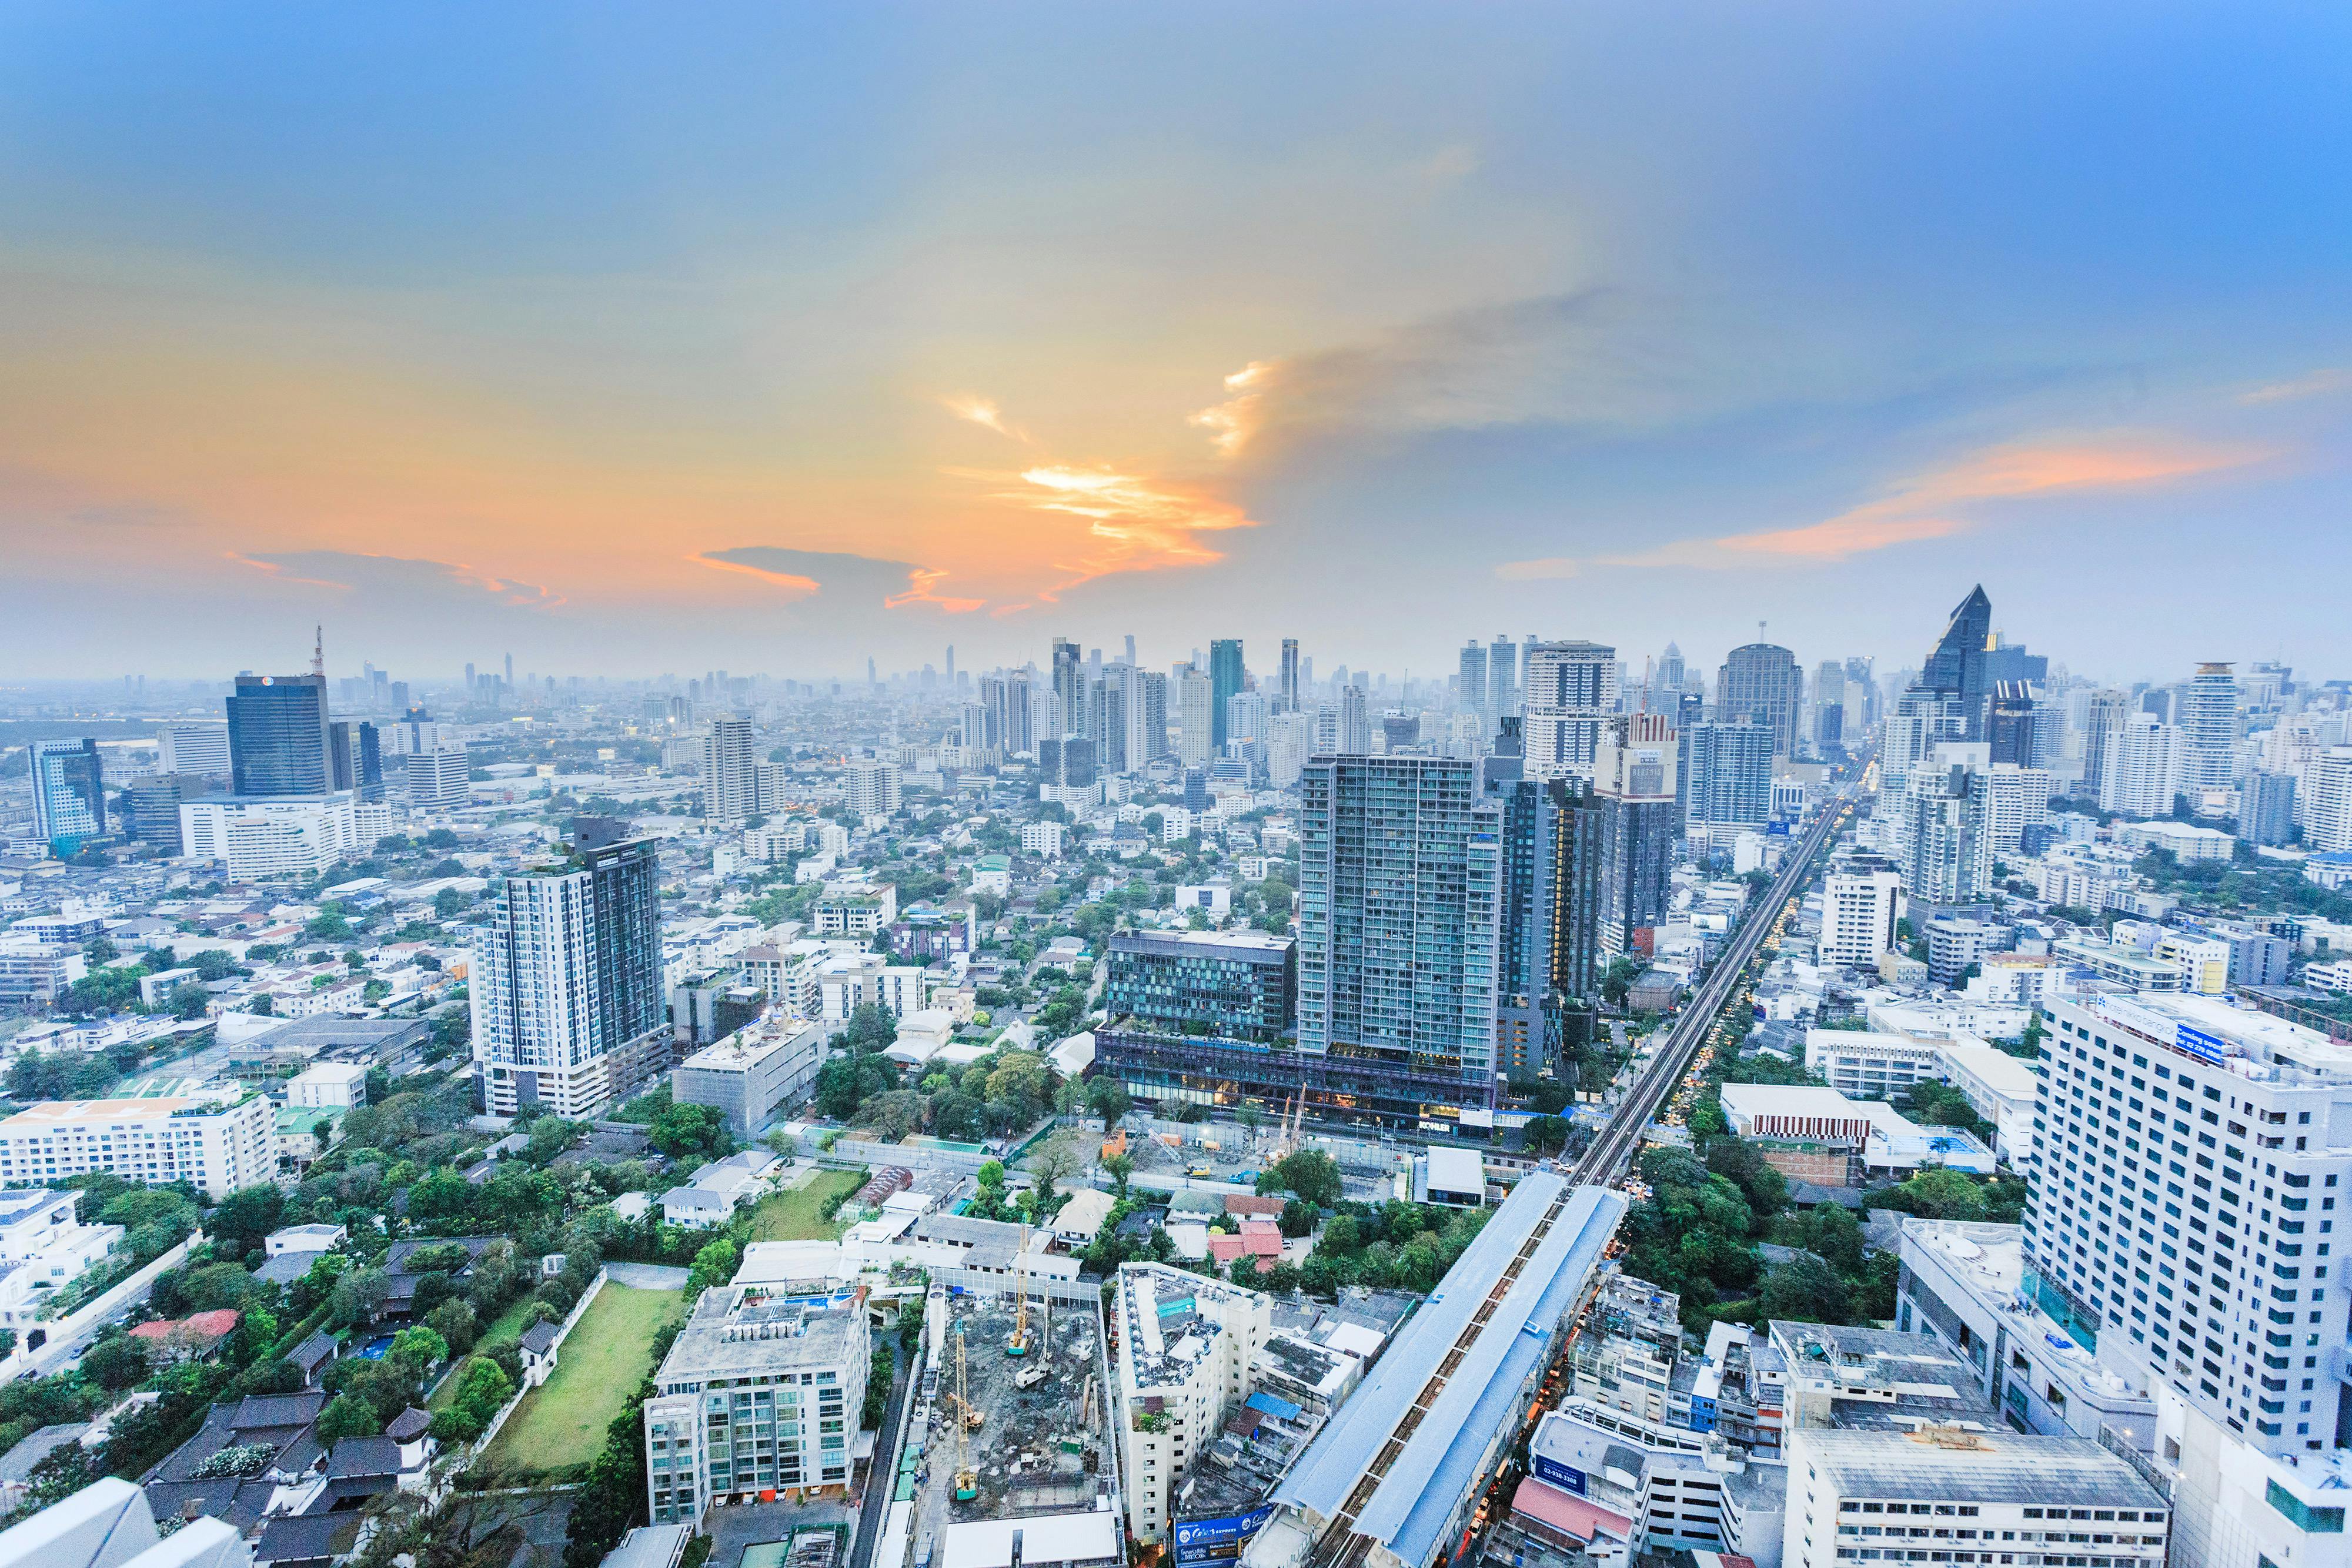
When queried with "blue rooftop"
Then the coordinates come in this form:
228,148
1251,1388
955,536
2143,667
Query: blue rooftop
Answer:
1415,1504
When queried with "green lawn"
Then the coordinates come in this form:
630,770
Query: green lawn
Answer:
799,1215
507,1325
561,1424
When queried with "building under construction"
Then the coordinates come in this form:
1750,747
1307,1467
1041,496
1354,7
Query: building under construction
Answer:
1008,1454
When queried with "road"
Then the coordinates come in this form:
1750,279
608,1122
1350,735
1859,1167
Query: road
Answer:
69,1337
1606,1160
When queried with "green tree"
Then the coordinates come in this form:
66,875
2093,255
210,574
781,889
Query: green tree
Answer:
483,1386
714,1265
693,1132
347,1416
1108,1099
1313,1175
1806,1290
116,1362
240,1222
1937,1192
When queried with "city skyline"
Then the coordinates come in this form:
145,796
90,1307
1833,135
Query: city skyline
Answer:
798,340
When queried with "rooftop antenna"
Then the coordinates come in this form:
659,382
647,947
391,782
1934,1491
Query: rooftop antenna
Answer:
318,650
1645,684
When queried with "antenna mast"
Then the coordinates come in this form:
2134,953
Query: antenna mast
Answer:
318,650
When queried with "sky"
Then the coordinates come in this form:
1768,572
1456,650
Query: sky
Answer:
640,339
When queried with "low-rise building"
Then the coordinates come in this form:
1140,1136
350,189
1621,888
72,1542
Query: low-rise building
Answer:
304,1239
856,908
1988,1494
341,1085
752,1071
1965,1287
216,1146
1186,1346
759,1391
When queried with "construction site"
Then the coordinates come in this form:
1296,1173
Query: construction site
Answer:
1010,1422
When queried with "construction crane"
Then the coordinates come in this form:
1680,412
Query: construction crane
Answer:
1290,1125
1019,1343
967,1479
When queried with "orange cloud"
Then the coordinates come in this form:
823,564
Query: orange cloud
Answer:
792,581
1134,522
1931,505
984,413
922,580
1142,523
1233,422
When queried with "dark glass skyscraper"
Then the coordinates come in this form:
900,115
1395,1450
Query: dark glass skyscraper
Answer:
1956,670
1224,680
2012,723
358,754
1548,924
69,790
278,738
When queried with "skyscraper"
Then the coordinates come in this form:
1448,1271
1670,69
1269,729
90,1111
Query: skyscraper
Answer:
1148,720
2142,773
2209,728
1287,696
1539,896
2198,1265
1825,713
1572,689
1472,686
1069,685
2327,814
1724,775
1006,698
1106,719
568,1009
1670,669
2266,808
730,772
277,735
198,749
2102,715
1761,681
1633,777
1195,721
1956,670
1939,834
1355,738
357,752
2012,723
69,790
1502,680
1400,899
1224,680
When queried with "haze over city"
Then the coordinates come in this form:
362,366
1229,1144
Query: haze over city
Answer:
1034,786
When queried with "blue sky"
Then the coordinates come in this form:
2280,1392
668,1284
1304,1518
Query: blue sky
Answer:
608,335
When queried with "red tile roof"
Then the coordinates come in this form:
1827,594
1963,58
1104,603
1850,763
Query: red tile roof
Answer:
211,1325
1261,1237
1569,1514
1249,1203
